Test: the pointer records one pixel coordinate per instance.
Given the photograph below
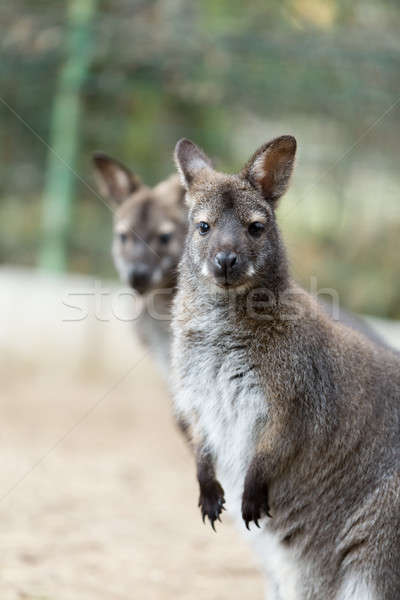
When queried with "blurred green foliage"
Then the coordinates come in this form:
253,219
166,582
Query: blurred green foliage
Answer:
229,75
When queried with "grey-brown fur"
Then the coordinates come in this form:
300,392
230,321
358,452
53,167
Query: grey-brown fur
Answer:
141,214
290,413
149,230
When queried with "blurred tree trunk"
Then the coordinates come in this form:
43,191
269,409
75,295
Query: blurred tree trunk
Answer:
64,138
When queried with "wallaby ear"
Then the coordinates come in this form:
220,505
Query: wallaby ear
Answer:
270,167
114,180
190,160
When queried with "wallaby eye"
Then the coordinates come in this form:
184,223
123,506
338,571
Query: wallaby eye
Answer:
256,229
123,237
203,227
165,238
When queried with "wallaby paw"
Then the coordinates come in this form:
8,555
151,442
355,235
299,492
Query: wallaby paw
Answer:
255,504
211,502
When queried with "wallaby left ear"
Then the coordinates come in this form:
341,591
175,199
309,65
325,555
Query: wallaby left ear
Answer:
114,180
270,167
190,160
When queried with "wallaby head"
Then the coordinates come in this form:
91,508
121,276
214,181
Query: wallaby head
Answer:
149,224
233,241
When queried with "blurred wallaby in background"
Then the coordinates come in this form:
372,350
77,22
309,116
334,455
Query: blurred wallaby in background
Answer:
294,418
149,233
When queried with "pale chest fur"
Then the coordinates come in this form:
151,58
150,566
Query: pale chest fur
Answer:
219,393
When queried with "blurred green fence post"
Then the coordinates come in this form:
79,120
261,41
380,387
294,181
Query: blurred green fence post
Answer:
57,199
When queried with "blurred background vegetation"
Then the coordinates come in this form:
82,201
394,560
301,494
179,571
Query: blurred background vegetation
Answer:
130,77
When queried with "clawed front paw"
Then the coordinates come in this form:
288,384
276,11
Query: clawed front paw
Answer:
255,503
211,502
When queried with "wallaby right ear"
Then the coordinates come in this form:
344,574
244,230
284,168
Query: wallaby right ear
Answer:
270,167
190,160
114,180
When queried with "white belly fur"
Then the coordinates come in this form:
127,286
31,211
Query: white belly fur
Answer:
226,412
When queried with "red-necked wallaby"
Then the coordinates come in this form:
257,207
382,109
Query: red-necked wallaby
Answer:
150,225
294,418
149,231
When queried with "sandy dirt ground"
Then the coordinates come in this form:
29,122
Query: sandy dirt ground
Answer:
98,498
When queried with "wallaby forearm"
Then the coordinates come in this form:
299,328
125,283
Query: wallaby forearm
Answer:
212,498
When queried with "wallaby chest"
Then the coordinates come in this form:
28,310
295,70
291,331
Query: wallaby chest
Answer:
221,393
222,397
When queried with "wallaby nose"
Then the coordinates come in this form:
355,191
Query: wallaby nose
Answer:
225,261
139,277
